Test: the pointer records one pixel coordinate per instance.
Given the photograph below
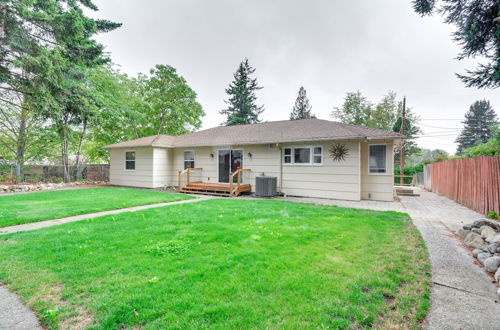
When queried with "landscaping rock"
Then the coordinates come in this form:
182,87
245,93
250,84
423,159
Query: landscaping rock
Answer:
497,275
495,240
474,240
468,226
492,248
492,264
462,233
476,252
4,189
486,222
498,293
481,257
487,232
476,230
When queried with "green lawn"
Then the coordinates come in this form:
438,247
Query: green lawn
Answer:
224,264
32,207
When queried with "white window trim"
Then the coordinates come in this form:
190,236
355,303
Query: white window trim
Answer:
387,169
184,158
311,163
125,161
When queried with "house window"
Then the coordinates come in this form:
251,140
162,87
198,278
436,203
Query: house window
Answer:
303,155
188,159
377,159
287,155
318,155
130,160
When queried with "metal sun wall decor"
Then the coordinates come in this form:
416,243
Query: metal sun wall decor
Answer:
338,152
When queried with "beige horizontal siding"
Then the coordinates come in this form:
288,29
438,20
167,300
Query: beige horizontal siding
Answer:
332,179
348,179
377,186
142,176
264,159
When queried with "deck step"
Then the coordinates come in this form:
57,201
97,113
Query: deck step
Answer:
211,193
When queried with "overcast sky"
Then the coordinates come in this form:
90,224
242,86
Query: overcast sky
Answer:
328,46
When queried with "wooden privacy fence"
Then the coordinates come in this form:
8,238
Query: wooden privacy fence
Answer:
473,182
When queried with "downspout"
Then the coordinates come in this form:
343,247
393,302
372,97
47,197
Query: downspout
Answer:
281,167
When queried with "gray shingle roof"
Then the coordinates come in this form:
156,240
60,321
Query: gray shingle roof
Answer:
269,132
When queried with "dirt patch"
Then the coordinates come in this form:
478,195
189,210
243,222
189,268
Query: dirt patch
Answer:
81,320
389,300
74,316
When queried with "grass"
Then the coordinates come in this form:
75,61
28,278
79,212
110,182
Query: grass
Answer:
33,207
224,264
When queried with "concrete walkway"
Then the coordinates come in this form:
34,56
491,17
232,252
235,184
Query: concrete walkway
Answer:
462,295
14,314
54,222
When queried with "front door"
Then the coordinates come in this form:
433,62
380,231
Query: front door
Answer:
229,161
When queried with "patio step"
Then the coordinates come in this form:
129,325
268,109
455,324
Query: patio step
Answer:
406,192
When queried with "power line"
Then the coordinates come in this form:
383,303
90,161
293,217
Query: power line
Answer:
423,135
439,127
441,119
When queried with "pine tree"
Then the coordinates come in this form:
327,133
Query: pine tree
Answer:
477,32
242,108
302,108
478,121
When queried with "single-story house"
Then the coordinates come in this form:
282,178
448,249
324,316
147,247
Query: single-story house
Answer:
309,157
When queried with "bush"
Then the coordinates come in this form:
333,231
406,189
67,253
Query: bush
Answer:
409,170
492,215
54,179
34,178
8,178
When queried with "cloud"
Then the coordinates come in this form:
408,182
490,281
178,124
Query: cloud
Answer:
329,47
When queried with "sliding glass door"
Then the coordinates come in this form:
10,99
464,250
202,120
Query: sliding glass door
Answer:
229,161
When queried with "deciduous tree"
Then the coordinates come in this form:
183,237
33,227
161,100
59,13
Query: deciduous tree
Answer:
173,107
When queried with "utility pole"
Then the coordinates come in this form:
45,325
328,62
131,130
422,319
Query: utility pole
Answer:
402,147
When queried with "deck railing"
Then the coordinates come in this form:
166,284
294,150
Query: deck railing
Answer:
187,173
236,174
402,181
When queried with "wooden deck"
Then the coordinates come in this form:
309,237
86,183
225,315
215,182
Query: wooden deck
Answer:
233,189
217,189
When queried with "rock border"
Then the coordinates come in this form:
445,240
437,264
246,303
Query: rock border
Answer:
17,188
484,236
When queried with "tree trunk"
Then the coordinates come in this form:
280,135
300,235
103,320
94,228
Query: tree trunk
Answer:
80,144
64,156
21,141
79,152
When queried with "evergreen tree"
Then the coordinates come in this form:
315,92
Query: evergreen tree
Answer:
241,104
46,51
478,30
477,125
302,108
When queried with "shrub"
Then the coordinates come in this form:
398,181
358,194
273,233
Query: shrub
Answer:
8,178
54,179
34,178
492,215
